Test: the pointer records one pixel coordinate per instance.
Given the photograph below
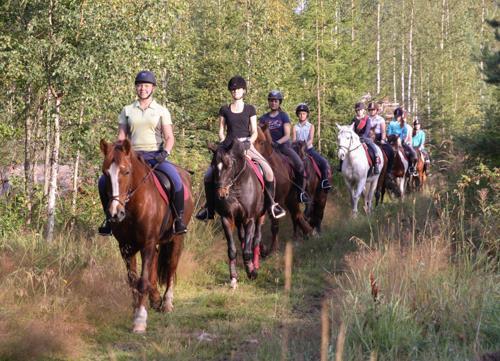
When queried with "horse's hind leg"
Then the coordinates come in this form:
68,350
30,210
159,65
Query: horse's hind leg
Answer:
154,294
256,242
129,257
170,254
248,249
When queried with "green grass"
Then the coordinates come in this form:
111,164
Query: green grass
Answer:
435,300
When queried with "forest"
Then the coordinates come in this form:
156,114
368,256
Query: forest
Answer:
415,280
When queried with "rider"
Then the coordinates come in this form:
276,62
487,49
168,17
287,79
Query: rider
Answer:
399,128
378,125
418,140
362,127
149,127
304,131
239,121
280,128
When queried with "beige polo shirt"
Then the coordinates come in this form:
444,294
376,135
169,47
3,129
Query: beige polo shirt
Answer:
144,127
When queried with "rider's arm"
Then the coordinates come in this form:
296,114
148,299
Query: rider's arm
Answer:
122,132
168,137
294,134
423,140
286,137
222,128
253,128
382,130
311,136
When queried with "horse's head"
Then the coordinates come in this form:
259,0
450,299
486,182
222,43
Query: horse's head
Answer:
394,141
227,163
347,139
300,147
263,143
117,166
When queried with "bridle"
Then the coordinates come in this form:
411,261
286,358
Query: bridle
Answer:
130,192
233,180
348,148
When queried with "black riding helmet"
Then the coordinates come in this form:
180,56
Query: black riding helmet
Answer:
359,106
236,82
145,76
398,112
302,107
275,94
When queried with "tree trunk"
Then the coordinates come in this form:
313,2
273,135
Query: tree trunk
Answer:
48,147
352,22
394,85
378,48
318,82
54,167
75,172
410,58
28,179
403,71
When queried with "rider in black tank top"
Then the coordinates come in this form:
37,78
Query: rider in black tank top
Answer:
237,124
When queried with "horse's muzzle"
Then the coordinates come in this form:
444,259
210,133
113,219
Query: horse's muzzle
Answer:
119,216
341,155
223,192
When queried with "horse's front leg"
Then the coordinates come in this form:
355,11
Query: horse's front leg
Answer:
356,191
257,238
154,294
128,255
248,249
143,287
228,226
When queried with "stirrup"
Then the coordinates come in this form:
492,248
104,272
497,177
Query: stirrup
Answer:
105,229
325,184
277,212
179,227
204,215
304,197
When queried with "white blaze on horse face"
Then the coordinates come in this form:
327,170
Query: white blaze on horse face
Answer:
115,187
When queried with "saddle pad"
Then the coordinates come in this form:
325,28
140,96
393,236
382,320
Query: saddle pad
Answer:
368,155
257,171
160,188
315,166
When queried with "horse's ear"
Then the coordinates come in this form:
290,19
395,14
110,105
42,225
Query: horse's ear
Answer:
352,126
338,126
126,146
264,127
211,146
104,147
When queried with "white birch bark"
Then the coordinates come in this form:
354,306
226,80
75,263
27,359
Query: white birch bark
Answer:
54,166
410,58
378,48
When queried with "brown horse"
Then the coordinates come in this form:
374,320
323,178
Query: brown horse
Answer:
417,182
400,165
240,203
385,182
285,193
142,222
315,209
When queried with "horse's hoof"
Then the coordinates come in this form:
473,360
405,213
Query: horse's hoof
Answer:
315,233
234,283
156,305
139,328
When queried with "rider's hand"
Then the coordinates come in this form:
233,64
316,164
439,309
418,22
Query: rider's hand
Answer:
162,156
382,141
276,145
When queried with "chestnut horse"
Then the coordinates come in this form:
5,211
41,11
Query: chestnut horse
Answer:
417,182
315,209
142,222
240,203
285,193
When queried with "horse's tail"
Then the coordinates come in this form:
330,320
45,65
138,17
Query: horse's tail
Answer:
165,258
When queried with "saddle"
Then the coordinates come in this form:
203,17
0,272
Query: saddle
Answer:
289,165
315,166
369,155
257,169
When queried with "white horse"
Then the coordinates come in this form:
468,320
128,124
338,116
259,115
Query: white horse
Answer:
355,168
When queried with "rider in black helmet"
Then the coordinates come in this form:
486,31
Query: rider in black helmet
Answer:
304,131
148,125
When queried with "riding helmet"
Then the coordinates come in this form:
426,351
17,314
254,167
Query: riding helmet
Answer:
302,107
398,112
416,121
372,106
359,106
275,94
145,76
236,82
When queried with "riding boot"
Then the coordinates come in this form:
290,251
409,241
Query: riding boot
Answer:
273,208
207,212
301,188
178,203
105,228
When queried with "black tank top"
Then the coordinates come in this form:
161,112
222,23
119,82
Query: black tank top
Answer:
237,124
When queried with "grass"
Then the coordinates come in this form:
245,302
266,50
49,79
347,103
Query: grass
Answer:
430,295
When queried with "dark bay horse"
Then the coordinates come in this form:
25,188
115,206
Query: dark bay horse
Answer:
142,222
240,203
315,209
285,192
385,182
400,165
